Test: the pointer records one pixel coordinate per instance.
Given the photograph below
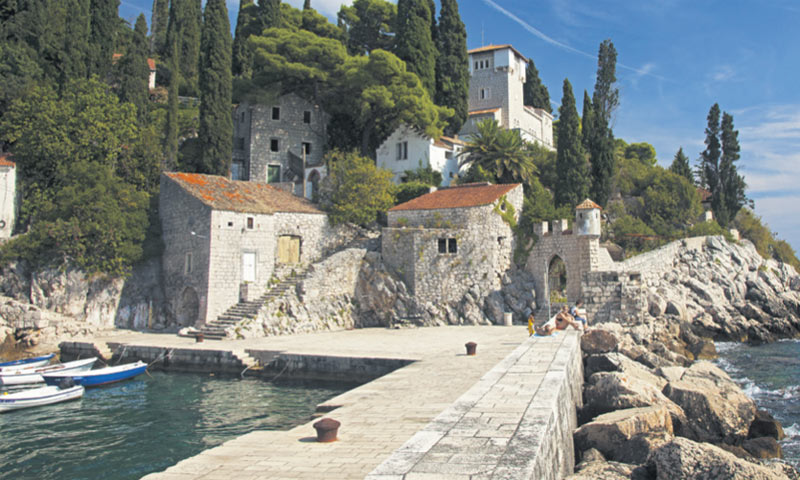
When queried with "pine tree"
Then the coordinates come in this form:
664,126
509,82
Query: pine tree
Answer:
534,92
572,184
452,65
587,120
368,25
413,42
605,100
732,184
216,123
134,72
184,25
680,166
709,161
242,54
104,21
158,28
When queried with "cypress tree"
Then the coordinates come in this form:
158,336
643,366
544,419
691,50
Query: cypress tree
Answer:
413,41
587,120
77,28
307,5
534,93
605,100
270,14
709,160
171,125
680,166
158,27
572,184
452,65
216,123
184,25
104,21
242,54
732,184
134,72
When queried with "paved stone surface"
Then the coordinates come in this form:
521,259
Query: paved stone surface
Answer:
377,418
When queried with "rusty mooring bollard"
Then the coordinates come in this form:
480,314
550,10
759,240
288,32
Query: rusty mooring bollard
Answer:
199,337
327,428
471,347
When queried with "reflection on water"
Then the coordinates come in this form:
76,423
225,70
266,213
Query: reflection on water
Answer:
130,429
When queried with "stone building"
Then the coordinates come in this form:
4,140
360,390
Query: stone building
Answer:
224,240
8,195
280,142
497,74
561,257
409,149
445,243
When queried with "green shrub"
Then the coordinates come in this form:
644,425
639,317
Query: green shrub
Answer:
409,191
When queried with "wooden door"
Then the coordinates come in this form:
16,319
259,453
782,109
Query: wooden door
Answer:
288,249
248,267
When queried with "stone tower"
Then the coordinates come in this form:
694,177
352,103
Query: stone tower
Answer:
587,218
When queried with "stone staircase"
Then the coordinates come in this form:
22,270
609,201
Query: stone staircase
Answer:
217,329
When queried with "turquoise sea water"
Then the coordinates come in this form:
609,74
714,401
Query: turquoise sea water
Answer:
127,430
770,375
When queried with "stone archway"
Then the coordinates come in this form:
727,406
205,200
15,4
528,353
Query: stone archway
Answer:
557,280
312,184
188,308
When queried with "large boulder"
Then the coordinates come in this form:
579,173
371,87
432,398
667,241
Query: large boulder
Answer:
765,425
716,409
609,432
684,459
638,449
598,341
605,470
763,447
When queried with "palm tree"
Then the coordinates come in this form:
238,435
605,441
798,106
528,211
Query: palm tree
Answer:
500,152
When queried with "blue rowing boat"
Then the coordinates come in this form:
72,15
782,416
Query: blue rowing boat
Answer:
27,362
101,376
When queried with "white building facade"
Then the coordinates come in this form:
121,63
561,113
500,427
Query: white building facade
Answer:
408,149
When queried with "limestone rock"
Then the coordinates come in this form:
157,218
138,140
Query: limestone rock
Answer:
609,432
763,447
656,305
715,407
598,340
684,459
638,449
605,470
765,425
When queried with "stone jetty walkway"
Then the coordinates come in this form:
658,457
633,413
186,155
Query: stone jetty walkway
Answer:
376,418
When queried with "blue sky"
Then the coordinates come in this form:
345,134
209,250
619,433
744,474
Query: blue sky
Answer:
675,58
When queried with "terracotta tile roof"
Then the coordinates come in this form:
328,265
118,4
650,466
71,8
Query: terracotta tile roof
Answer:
481,112
705,195
489,48
151,63
237,196
468,195
5,160
587,204
454,141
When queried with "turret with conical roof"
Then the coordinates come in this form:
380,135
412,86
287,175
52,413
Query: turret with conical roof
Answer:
587,218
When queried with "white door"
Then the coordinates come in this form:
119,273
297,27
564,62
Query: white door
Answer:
248,267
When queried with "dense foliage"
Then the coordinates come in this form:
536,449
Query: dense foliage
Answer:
534,93
572,169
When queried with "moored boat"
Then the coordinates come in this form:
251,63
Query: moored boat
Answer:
38,396
34,375
32,362
101,376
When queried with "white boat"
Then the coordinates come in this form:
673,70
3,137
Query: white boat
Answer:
26,363
38,396
24,376
101,376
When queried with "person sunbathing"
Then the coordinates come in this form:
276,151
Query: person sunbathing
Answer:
560,322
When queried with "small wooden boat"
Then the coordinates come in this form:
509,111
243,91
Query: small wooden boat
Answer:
101,376
27,362
38,396
34,375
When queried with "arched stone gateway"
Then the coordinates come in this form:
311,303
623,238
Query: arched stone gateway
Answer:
188,308
557,280
312,183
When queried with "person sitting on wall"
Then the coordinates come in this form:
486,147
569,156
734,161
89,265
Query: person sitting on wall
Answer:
560,322
578,313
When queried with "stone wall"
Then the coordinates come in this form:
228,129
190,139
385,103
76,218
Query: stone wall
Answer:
614,296
654,264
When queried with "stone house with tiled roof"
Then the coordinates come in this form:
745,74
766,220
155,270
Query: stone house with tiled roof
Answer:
409,149
497,74
224,239
8,194
453,240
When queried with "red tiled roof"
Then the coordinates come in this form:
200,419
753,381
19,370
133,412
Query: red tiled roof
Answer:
705,195
151,63
468,195
587,204
248,197
481,112
489,48
454,141
5,160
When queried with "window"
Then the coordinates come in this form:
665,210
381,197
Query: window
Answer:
242,117
187,264
230,224
237,171
307,116
273,173
402,150
274,146
485,94
250,222
476,65
276,113
240,143
307,148
447,245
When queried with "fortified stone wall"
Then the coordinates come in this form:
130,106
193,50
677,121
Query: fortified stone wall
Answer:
654,264
614,296
181,214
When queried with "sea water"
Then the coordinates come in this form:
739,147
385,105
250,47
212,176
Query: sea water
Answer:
129,429
770,375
